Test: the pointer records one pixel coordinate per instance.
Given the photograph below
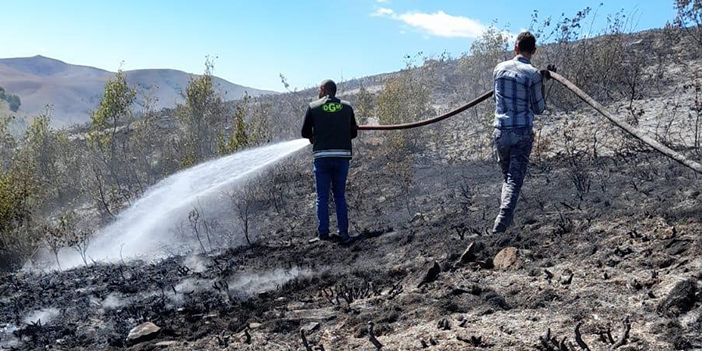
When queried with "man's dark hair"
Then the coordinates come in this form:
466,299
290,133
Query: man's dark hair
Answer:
526,42
329,87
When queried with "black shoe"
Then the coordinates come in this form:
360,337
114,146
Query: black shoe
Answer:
501,224
499,228
323,236
320,237
345,239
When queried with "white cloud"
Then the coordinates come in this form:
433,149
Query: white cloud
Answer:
439,24
383,1
381,12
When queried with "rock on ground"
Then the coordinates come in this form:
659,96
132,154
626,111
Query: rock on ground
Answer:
431,274
680,300
468,254
143,332
507,258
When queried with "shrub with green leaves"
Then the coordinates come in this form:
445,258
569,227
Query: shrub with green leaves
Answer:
18,201
201,119
13,101
404,99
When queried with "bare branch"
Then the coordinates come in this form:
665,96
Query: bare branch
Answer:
371,336
625,335
579,338
304,340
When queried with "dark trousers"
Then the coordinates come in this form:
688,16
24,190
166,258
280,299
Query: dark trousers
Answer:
331,172
513,148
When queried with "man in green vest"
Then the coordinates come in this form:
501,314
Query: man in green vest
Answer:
330,125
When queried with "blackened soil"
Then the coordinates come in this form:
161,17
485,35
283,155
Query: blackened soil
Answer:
617,251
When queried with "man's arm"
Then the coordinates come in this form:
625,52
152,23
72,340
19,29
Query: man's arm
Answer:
538,101
354,126
544,75
307,131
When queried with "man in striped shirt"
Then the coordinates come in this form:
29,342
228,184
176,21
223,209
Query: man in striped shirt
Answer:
519,95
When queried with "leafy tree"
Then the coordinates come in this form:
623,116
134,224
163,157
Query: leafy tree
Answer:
115,108
404,99
57,160
13,101
41,175
7,143
259,125
111,179
149,166
200,119
486,52
18,202
239,138
41,147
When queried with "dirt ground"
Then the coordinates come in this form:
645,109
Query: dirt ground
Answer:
608,244
629,250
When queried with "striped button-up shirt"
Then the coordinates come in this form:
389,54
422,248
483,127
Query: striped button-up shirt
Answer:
518,94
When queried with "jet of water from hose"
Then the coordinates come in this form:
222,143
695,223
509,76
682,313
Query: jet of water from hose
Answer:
146,227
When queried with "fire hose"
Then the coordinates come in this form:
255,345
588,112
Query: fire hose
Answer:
631,130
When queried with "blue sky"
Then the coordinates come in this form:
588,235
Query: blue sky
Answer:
256,40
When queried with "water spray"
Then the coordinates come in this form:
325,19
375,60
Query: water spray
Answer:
145,229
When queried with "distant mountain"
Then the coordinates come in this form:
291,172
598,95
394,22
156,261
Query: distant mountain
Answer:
75,90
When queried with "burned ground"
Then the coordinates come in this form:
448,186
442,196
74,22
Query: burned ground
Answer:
629,248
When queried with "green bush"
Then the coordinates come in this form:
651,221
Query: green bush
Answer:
13,101
18,200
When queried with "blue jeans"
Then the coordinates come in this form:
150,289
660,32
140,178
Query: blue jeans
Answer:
331,172
513,147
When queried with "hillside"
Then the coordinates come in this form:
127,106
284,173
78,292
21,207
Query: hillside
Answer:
75,90
605,252
592,261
